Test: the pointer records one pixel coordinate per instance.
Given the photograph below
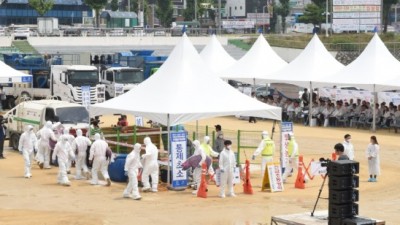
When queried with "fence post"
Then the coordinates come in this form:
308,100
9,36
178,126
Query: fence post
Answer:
213,137
134,135
206,130
238,146
118,139
194,135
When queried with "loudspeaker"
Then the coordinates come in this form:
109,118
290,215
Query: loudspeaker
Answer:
343,210
343,183
345,196
358,221
343,168
334,221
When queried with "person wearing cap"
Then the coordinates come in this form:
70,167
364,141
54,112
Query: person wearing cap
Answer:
26,147
348,147
267,149
293,152
339,151
227,164
219,141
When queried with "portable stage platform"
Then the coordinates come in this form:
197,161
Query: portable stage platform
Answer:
319,218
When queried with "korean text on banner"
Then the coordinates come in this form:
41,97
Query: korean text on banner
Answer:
178,154
139,121
275,177
286,130
86,96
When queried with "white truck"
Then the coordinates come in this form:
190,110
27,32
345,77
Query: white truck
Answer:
36,113
48,26
72,83
118,80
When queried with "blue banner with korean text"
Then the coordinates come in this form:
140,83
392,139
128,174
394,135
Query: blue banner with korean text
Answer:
178,154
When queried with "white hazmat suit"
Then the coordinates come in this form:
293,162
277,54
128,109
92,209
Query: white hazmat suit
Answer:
209,152
45,135
293,163
132,166
70,139
98,157
79,146
348,149
227,164
26,146
372,154
150,166
198,150
63,152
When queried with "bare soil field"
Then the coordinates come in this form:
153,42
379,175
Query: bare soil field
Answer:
40,200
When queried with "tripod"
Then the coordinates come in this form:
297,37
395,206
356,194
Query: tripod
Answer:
319,194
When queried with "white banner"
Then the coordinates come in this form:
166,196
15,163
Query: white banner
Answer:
178,155
356,15
275,177
345,95
286,130
238,24
119,89
356,2
317,169
356,8
139,121
389,97
86,96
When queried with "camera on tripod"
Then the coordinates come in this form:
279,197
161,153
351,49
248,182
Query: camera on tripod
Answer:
324,162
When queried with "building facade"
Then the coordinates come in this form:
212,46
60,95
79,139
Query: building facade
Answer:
20,12
235,8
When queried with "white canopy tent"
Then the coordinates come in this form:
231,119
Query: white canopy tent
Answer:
11,75
183,90
257,65
373,70
313,63
215,56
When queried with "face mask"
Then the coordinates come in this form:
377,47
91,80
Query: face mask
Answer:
228,147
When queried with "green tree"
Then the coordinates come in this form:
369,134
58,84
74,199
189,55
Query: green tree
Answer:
319,3
188,13
387,4
164,12
96,5
41,6
312,14
283,10
114,5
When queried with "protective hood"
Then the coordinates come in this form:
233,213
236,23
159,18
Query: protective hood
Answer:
79,132
137,147
265,134
196,144
29,128
66,131
97,136
206,139
147,141
49,124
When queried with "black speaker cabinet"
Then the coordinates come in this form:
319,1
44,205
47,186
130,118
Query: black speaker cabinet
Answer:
343,183
358,221
344,196
343,168
335,221
343,210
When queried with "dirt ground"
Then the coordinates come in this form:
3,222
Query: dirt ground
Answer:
40,200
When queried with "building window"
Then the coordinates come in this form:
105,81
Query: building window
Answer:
240,7
235,7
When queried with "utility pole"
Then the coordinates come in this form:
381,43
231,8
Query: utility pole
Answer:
326,18
195,10
219,18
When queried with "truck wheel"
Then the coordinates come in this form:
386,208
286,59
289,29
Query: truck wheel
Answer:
108,97
25,95
14,141
10,102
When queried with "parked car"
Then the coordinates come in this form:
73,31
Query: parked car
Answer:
22,33
117,32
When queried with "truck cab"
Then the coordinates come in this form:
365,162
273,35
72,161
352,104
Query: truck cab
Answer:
36,113
118,80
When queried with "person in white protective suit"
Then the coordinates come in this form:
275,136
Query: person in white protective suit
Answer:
45,135
26,147
63,152
267,150
293,163
150,167
227,164
198,150
372,154
70,139
79,146
132,166
98,157
209,152
348,147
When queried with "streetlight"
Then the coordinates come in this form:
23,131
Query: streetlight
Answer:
219,17
264,18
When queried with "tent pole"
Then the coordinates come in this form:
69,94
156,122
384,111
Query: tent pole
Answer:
373,110
169,153
197,129
310,105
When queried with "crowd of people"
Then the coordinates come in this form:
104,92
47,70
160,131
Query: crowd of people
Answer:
325,112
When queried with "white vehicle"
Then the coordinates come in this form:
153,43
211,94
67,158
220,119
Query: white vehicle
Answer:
118,80
48,26
36,113
22,33
71,83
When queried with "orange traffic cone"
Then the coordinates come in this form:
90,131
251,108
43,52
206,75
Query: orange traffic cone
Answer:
300,177
202,192
247,188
